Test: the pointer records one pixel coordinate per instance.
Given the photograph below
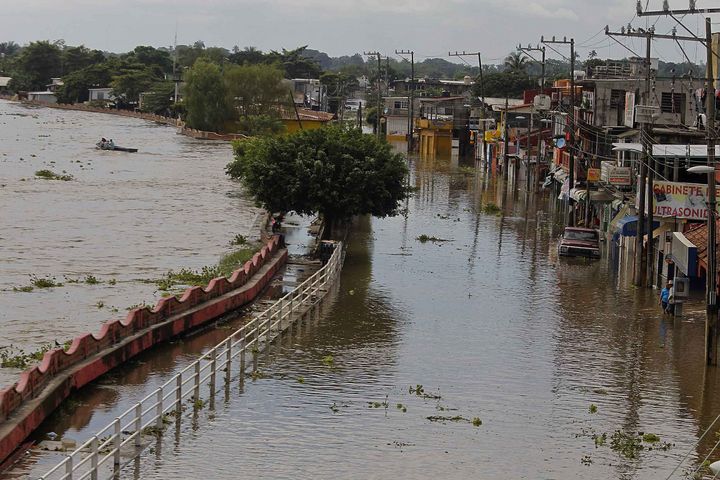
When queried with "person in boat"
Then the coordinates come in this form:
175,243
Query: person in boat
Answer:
102,143
111,144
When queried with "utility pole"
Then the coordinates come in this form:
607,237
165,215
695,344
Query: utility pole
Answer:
379,92
711,326
176,77
527,51
571,119
538,48
411,98
505,140
644,271
482,93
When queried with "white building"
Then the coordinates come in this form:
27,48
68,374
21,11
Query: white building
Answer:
42,97
100,94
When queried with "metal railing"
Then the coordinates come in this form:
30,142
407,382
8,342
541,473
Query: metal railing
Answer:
149,415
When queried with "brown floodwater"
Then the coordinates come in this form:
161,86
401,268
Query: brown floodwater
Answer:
492,325
123,219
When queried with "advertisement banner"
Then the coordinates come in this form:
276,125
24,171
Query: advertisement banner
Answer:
614,175
593,175
680,200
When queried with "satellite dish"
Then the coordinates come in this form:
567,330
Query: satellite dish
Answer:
560,142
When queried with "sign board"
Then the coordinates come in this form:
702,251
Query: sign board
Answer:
680,200
542,102
614,175
630,109
593,175
645,113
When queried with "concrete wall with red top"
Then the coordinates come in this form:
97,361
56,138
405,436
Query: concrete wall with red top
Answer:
41,389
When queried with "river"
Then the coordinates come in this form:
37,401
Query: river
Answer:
479,355
124,219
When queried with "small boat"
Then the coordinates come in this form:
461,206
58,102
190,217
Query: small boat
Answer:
118,148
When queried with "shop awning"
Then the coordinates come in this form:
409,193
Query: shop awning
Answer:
627,226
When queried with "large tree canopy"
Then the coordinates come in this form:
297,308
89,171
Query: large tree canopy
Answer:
333,171
206,97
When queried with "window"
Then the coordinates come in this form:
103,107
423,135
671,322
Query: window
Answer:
400,104
617,99
672,102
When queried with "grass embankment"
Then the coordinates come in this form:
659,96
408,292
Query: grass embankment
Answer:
187,277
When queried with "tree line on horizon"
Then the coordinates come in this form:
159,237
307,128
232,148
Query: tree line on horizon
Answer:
222,85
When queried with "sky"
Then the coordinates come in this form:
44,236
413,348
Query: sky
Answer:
431,28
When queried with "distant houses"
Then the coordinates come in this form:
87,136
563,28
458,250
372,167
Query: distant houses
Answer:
4,81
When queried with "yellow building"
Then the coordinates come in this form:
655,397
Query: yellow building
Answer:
435,136
309,119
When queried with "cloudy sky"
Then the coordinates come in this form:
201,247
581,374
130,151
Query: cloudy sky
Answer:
340,27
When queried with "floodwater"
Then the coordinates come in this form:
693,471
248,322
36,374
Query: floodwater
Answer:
123,219
545,352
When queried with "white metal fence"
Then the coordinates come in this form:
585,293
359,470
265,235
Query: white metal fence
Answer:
102,452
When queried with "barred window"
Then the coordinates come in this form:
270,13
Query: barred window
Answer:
672,102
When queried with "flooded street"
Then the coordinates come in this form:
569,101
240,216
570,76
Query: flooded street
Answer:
124,219
479,355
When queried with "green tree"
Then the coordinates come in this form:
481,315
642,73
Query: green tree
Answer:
76,84
206,97
332,171
516,63
153,58
500,84
255,89
131,82
9,48
294,63
77,58
159,98
247,56
38,63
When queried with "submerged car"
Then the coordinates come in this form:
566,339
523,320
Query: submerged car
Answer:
579,242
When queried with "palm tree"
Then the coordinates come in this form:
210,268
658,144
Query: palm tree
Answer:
516,62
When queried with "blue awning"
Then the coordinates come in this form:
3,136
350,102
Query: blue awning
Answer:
627,226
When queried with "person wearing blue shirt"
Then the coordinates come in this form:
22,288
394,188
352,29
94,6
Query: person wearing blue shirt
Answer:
665,295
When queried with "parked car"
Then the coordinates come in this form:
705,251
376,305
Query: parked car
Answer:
579,242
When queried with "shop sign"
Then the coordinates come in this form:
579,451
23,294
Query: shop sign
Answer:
593,175
680,200
614,175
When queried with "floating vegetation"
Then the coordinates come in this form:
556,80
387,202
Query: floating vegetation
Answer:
328,360
419,390
491,209
45,282
112,281
593,408
586,460
334,408
14,358
425,238
238,240
443,418
50,175
476,421
91,280
401,407
25,289
100,304
301,380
